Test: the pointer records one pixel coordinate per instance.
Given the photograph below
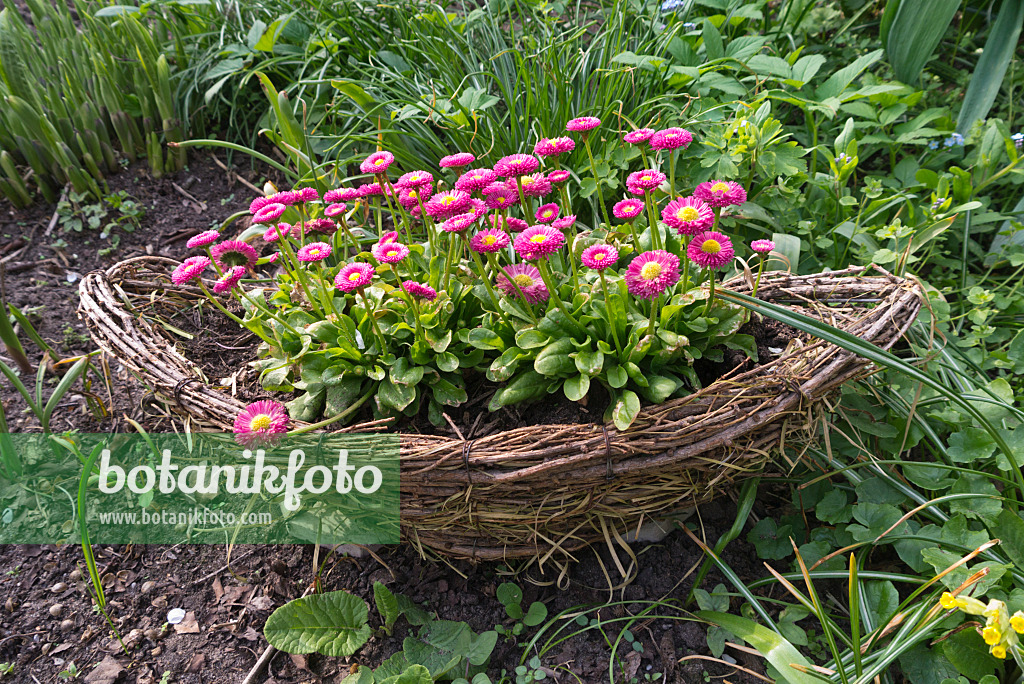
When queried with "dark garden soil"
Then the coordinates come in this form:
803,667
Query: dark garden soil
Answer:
46,615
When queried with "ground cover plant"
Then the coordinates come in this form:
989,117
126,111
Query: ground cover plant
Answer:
843,124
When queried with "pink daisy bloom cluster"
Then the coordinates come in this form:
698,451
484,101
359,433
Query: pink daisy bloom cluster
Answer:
642,182
719,193
688,215
553,147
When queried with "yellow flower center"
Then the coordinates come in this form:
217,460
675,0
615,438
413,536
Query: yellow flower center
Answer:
526,180
650,270
501,200
412,194
688,214
315,251
260,422
447,200
523,280
354,276
711,247
393,252
999,652
599,256
991,635
646,178
547,213
379,162
539,239
720,186
490,240
415,178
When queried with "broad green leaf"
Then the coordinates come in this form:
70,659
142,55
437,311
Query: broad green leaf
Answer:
1009,528
914,34
333,624
969,654
987,77
576,388
387,605
626,409
537,614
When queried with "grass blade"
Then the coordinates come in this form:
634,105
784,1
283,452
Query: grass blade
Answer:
988,75
791,665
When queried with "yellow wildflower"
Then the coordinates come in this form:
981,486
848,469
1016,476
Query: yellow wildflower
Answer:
999,652
991,635
1017,622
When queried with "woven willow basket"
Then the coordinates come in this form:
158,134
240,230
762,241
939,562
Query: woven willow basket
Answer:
543,490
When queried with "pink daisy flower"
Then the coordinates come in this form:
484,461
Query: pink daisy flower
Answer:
500,196
378,162
272,258
489,240
308,194
342,195
688,215
565,223
538,241
651,273
415,179
258,203
321,225
534,185
286,197
229,279
721,193
413,195
552,147
354,276
261,423
516,165
275,233
476,207
190,269
528,279
710,250
475,179
457,224
205,238
646,180
583,123
516,225
599,257
546,213
762,246
336,209
314,251
641,135
269,213
444,205
389,252
559,176
671,138
457,160
390,236
419,290
370,190
234,253
628,209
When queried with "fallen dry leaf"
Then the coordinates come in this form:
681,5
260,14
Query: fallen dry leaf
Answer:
189,625
106,672
196,664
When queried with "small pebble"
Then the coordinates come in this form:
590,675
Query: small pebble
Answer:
152,634
56,609
58,587
148,586
65,625
9,605
75,575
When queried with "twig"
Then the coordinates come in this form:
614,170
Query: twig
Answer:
232,174
56,213
267,655
223,568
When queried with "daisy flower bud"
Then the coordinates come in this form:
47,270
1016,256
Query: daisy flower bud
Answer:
205,238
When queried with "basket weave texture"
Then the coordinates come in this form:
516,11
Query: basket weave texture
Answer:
544,490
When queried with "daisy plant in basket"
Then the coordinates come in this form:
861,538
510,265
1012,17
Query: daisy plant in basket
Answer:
397,287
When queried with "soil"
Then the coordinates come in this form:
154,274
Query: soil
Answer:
220,638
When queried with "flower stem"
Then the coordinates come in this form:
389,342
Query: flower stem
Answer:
230,315
608,313
334,419
487,282
448,261
711,296
671,175
373,321
597,183
686,264
654,315
545,275
760,270
653,220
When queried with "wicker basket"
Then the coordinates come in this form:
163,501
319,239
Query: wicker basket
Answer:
544,490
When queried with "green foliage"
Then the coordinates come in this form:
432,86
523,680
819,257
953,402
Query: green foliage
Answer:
511,596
